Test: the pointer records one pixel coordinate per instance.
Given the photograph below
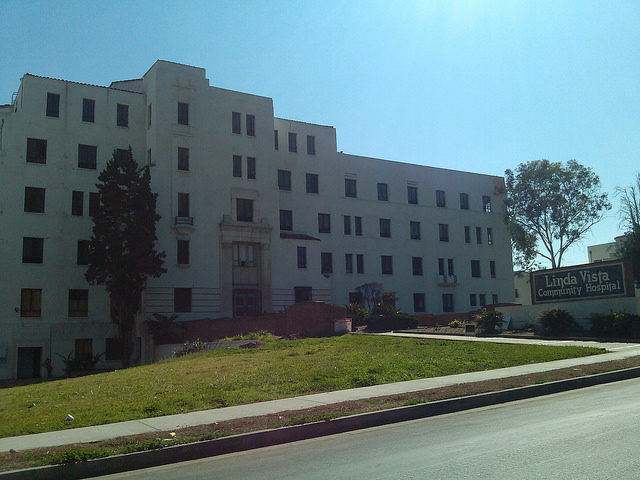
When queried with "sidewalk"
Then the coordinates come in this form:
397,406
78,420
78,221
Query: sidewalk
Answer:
617,351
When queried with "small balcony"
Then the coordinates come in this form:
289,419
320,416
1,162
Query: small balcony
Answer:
183,225
447,280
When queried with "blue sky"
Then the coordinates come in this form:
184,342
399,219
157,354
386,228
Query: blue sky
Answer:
476,86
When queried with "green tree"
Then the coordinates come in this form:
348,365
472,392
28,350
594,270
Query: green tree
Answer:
630,217
550,207
122,253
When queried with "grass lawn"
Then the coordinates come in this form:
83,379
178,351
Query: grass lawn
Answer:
281,368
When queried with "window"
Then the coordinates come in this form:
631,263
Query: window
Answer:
490,236
385,227
244,210
275,140
464,201
87,156
348,263
32,249
324,223
383,192
89,110
386,262
302,294
441,266
311,145
360,263
418,302
473,299
122,115
243,255
478,235
443,232
416,265
492,268
53,105
284,179
414,230
286,220
148,115
76,203
183,113
412,195
450,266
31,302
183,204
182,252
441,199
78,303
350,188
467,234
121,154
312,183
237,166
483,299
358,225
36,150
251,168
447,302
235,122
293,142
302,257
486,204
83,252
347,224
84,349
181,300
183,158
326,262
34,199
494,298
94,204
251,125
475,268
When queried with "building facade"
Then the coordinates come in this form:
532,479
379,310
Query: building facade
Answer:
258,213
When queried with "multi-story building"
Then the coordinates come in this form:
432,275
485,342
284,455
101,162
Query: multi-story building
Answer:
258,212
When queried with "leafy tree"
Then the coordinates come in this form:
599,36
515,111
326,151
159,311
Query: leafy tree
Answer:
122,253
550,207
630,217
370,294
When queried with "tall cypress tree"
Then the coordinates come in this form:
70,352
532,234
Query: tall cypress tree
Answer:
122,250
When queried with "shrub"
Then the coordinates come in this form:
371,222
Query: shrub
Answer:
457,323
189,347
487,320
382,308
357,313
390,322
615,324
557,322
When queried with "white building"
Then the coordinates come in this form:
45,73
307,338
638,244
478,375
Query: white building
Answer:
257,212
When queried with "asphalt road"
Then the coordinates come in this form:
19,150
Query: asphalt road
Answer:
592,433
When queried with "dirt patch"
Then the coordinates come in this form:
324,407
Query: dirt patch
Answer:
41,456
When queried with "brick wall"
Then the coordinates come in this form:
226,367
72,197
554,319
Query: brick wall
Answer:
306,319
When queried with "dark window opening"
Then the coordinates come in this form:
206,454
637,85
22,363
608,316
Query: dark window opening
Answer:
324,223
443,232
182,300
88,110
414,228
77,203
251,168
36,150
416,265
302,257
34,199
284,179
386,262
83,252
31,302
311,145
78,303
418,302
312,183
464,201
237,166
347,224
183,158
358,225
326,262
251,125
350,188
441,199
286,220
32,250
385,227
122,115
183,252
293,142
94,204
412,195
53,105
183,113
236,122
383,192
244,209
87,156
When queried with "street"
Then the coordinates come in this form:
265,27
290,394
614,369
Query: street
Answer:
592,433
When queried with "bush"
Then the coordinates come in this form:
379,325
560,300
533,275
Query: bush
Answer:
357,313
615,324
457,323
387,309
488,320
557,322
194,346
390,322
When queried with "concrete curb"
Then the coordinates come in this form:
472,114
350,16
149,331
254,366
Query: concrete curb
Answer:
265,438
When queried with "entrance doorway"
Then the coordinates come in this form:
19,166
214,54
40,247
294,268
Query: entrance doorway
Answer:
29,360
246,302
